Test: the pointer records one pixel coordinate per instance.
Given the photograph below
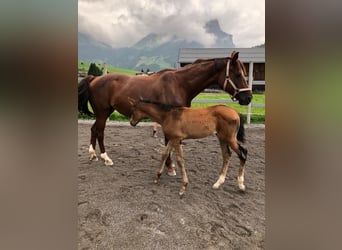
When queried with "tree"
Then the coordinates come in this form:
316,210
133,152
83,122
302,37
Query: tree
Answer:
94,70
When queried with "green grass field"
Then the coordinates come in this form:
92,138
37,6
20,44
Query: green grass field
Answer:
257,113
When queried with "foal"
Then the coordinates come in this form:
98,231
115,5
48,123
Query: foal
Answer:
179,123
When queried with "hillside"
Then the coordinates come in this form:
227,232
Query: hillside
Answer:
153,51
84,66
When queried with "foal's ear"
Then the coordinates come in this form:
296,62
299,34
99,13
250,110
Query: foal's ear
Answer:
131,101
234,56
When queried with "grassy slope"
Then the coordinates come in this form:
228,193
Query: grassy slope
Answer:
153,60
110,69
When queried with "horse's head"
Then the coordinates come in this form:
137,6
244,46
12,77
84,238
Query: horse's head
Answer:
235,82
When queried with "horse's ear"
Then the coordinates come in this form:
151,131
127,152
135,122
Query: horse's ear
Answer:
131,101
234,56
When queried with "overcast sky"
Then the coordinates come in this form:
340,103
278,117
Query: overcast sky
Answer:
121,23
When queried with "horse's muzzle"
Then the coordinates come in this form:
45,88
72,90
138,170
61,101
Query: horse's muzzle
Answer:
244,99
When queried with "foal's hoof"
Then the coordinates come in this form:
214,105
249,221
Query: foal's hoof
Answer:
242,187
181,194
171,171
216,186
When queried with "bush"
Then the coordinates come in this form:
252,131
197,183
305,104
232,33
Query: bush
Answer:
94,70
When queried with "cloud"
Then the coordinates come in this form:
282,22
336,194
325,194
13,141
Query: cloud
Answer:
122,23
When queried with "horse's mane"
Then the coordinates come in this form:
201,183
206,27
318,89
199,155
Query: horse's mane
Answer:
201,60
163,71
162,106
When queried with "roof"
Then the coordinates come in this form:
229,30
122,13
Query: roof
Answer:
189,55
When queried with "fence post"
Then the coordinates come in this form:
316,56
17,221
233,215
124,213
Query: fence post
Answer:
250,83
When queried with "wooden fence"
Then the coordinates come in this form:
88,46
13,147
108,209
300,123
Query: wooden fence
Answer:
217,101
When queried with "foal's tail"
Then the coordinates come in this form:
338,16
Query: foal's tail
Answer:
83,95
241,131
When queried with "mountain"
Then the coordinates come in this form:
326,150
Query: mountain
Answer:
153,52
259,46
222,39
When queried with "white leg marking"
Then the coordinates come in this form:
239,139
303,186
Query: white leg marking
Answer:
219,182
107,160
92,153
240,182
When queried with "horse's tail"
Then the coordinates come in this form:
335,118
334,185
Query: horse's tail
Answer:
241,131
83,95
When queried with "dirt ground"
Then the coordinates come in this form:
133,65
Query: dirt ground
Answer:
120,207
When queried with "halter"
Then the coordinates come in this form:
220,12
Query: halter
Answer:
236,90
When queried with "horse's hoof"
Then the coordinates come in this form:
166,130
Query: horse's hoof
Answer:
181,194
107,160
93,158
216,186
109,163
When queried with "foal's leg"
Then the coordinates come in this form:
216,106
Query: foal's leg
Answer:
92,145
180,160
171,171
242,153
225,158
165,154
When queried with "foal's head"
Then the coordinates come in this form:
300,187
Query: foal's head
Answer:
137,113
235,82
148,109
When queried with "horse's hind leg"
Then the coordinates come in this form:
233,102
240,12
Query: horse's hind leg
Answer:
92,145
242,153
225,158
100,126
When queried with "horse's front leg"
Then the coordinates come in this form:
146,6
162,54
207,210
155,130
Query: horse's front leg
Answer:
171,170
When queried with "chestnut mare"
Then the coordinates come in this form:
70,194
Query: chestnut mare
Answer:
178,86
179,123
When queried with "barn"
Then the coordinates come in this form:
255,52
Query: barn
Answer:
252,58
